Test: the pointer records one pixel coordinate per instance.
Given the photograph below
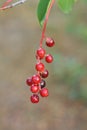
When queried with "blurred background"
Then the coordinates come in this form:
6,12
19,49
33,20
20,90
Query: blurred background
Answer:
20,32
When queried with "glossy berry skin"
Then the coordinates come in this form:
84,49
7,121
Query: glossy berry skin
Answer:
34,88
44,74
36,79
42,83
40,67
29,81
40,53
50,42
34,98
44,92
48,58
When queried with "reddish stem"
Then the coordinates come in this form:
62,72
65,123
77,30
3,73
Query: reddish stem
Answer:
6,3
45,22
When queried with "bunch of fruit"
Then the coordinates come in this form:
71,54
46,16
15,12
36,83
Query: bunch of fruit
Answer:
36,82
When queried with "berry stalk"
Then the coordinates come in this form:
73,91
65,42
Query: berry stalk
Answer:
45,22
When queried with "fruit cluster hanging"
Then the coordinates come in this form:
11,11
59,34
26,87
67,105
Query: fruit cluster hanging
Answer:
37,81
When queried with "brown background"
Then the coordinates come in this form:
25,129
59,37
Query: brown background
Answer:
19,38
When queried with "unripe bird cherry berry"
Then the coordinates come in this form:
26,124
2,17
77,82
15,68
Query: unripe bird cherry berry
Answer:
44,74
40,67
34,88
40,53
36,79
34,98
48,58
29,81
42,83
50,42
44,92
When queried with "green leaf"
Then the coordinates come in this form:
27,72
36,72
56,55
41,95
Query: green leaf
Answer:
42,9
66,5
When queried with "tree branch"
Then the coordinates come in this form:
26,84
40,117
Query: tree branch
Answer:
6,6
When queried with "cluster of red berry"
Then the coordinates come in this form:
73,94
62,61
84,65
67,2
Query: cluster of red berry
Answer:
36,82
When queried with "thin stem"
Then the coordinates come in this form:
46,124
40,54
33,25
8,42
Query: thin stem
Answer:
45,22
6,3
7,6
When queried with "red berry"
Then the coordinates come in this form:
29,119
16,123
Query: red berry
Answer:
36,79
29,81
34,98
50,42
34,88
44,92
42,83
44,74
40,67
41,53
48,58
